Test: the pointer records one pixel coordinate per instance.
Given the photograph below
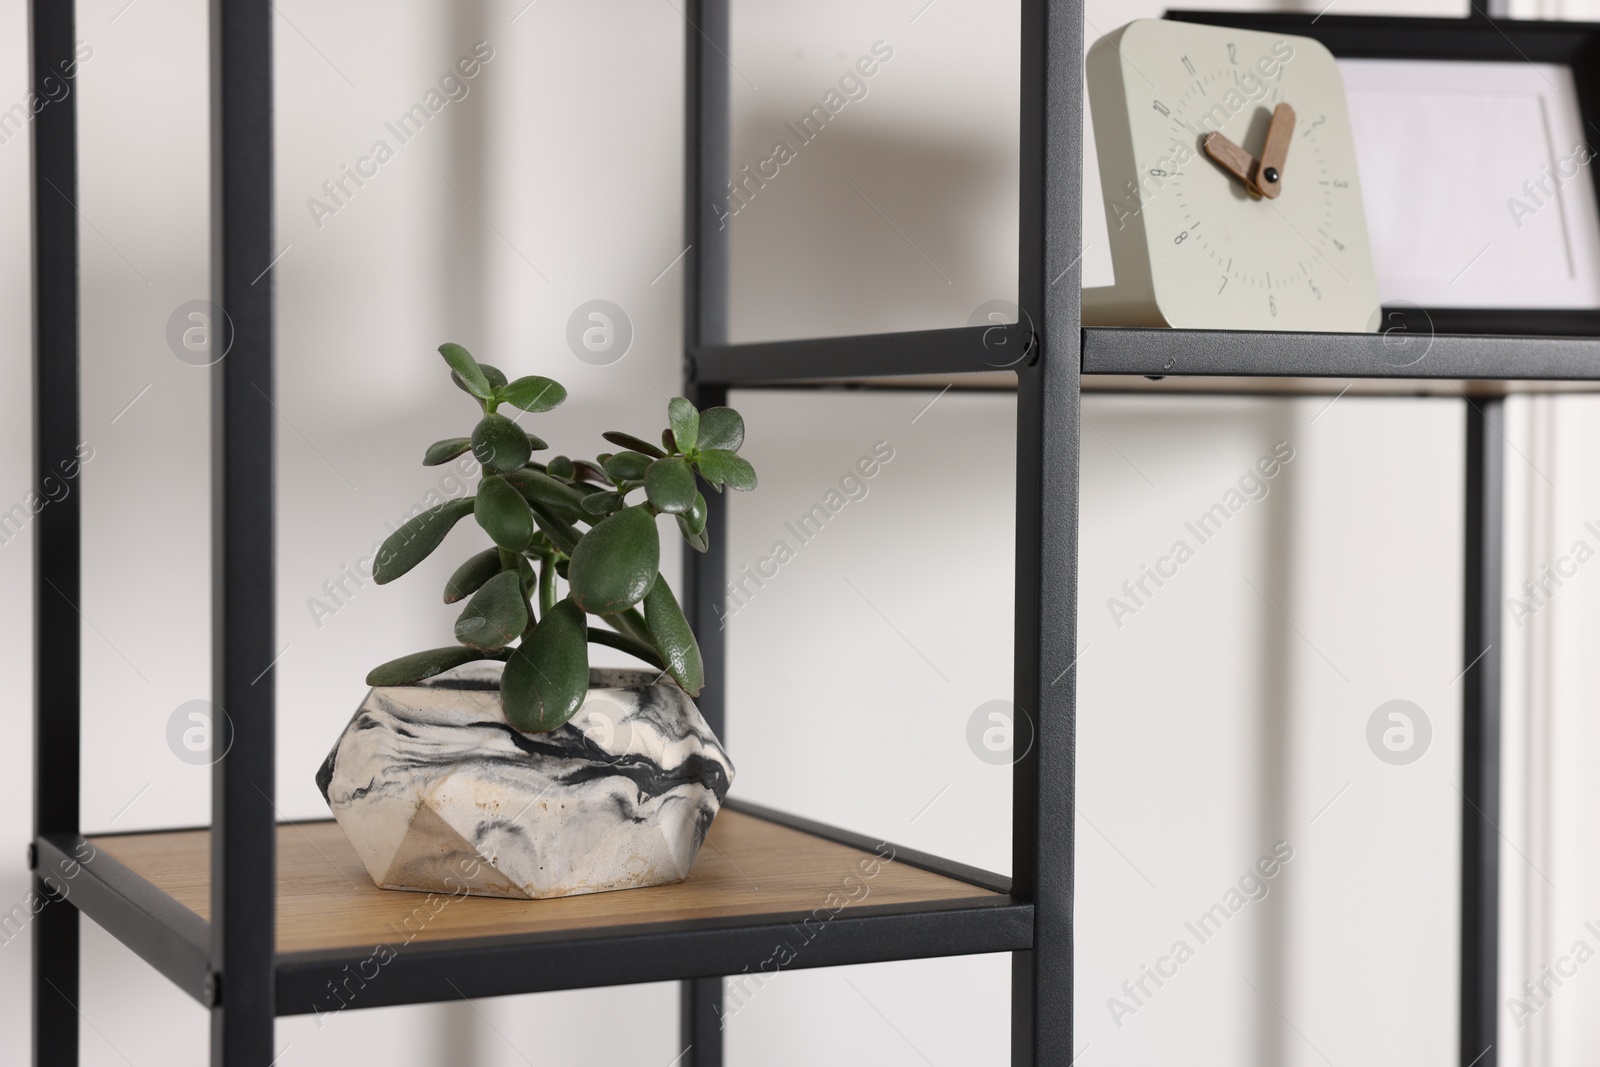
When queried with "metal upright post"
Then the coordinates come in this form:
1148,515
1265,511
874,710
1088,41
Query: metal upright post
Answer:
243,819
56,529
705,310
1480,739
1048,414
705,316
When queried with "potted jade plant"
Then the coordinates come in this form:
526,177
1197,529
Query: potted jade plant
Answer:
503,765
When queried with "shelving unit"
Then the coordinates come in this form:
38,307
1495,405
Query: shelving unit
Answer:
256,919
1479,356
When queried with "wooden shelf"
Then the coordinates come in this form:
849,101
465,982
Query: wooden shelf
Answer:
748,867
761,880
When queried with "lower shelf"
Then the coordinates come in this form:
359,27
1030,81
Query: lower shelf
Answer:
765,895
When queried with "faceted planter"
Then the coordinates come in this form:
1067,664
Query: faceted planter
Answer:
438,793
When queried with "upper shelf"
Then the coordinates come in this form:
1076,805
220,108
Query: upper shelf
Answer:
1405,362
917,357
1401,362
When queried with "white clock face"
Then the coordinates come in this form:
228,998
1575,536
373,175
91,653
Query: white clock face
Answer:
1237,243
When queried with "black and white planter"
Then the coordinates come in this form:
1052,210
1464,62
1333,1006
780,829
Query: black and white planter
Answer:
437,793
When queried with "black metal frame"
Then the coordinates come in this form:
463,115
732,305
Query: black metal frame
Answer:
57,536
1047,470
243,812
1480,734
699,951
230,963
1397,357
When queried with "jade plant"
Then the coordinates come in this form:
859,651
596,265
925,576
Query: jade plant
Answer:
572,538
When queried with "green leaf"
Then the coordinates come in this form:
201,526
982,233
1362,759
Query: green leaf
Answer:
445,451
421,665
696,515
416,537
669,483
547,676
719,466
627,440
469,375
557,529
496,378
495,615
602,503
589,472
667,442
675,640
685,422
542,489
504,514
537,443
500,444
633,648
615,563
721,428
696,540
533,393
560,467
692,524
470,576
626,467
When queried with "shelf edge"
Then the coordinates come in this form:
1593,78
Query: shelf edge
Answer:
1414,356
962,350
162,932
310,983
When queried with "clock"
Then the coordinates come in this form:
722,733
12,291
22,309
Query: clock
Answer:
1232,196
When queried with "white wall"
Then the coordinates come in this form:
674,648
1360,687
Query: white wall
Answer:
1222,717
1549,876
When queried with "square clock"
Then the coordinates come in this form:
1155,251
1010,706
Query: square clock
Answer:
1233,193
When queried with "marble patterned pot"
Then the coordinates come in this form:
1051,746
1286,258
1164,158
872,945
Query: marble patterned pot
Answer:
437,793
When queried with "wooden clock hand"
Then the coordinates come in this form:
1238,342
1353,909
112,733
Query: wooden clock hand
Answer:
1268,177
1233,159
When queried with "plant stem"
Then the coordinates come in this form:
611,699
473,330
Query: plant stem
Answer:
632,625
628,645
547,584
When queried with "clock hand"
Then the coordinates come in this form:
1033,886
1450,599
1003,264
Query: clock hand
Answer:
1233,159
1268,178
